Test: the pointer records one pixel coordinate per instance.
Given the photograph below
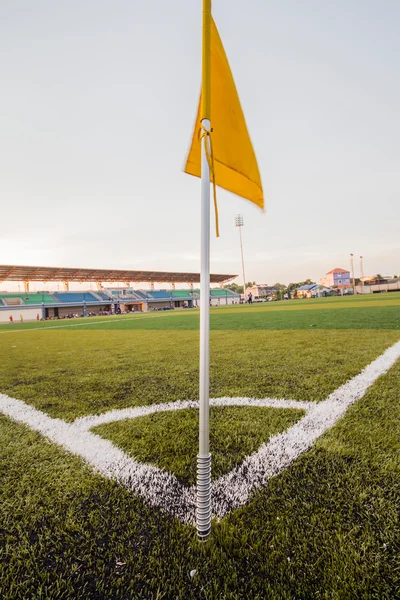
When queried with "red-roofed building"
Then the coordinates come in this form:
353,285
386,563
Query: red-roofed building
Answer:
337,278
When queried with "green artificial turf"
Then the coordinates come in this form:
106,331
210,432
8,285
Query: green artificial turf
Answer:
369,317
170,439
380,311
70,374
328,527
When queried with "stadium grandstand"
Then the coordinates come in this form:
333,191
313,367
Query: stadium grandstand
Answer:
105,300
68,275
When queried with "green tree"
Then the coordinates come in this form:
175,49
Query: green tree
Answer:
234,287
231,286
293,286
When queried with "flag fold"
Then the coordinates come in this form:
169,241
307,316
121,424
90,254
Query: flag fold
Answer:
233,159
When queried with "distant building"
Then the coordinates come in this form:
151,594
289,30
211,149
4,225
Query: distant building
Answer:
337,278
371,280
376,285
313,290
260,290
305,291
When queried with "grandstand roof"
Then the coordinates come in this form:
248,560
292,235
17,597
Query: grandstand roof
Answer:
23,273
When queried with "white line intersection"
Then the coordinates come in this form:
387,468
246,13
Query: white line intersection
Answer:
161,488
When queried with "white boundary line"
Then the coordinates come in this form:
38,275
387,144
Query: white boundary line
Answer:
233,489
83,323
86,423
161,488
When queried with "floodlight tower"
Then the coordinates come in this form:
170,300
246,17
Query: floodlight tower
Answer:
352,273
239,223
361,270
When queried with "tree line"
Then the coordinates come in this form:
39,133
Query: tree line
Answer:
281,288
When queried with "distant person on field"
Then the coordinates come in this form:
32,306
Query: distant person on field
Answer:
21,318
250,297
11,319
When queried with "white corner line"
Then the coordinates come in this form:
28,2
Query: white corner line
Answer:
90,421
234,489
158,487
162,489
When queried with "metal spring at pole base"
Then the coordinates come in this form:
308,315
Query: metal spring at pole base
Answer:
203,510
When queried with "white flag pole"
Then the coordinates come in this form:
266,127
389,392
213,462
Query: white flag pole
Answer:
204,457
203,513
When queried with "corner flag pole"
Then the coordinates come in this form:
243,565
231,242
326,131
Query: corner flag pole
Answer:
203,512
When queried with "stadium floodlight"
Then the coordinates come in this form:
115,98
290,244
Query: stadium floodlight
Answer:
362,270
352,273
239,223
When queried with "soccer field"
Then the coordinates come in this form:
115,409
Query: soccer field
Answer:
306,498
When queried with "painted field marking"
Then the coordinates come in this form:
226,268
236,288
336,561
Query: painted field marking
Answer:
83,324
87,423
161,488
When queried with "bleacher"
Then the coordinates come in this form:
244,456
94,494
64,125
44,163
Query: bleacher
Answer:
131,296
217,293
103,296
141,295
11,299
181,294
221,293
159,295
126,295
78,297
174,297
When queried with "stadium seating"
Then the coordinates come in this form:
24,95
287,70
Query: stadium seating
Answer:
141,295
75,297
13,302
132,295
159,295
103,296
181,294
111,296
28,298
221,293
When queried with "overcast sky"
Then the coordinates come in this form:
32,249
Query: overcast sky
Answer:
97,106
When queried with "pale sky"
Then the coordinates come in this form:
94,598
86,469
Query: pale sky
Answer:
97,106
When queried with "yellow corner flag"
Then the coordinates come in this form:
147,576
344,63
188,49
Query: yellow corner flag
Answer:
233,162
